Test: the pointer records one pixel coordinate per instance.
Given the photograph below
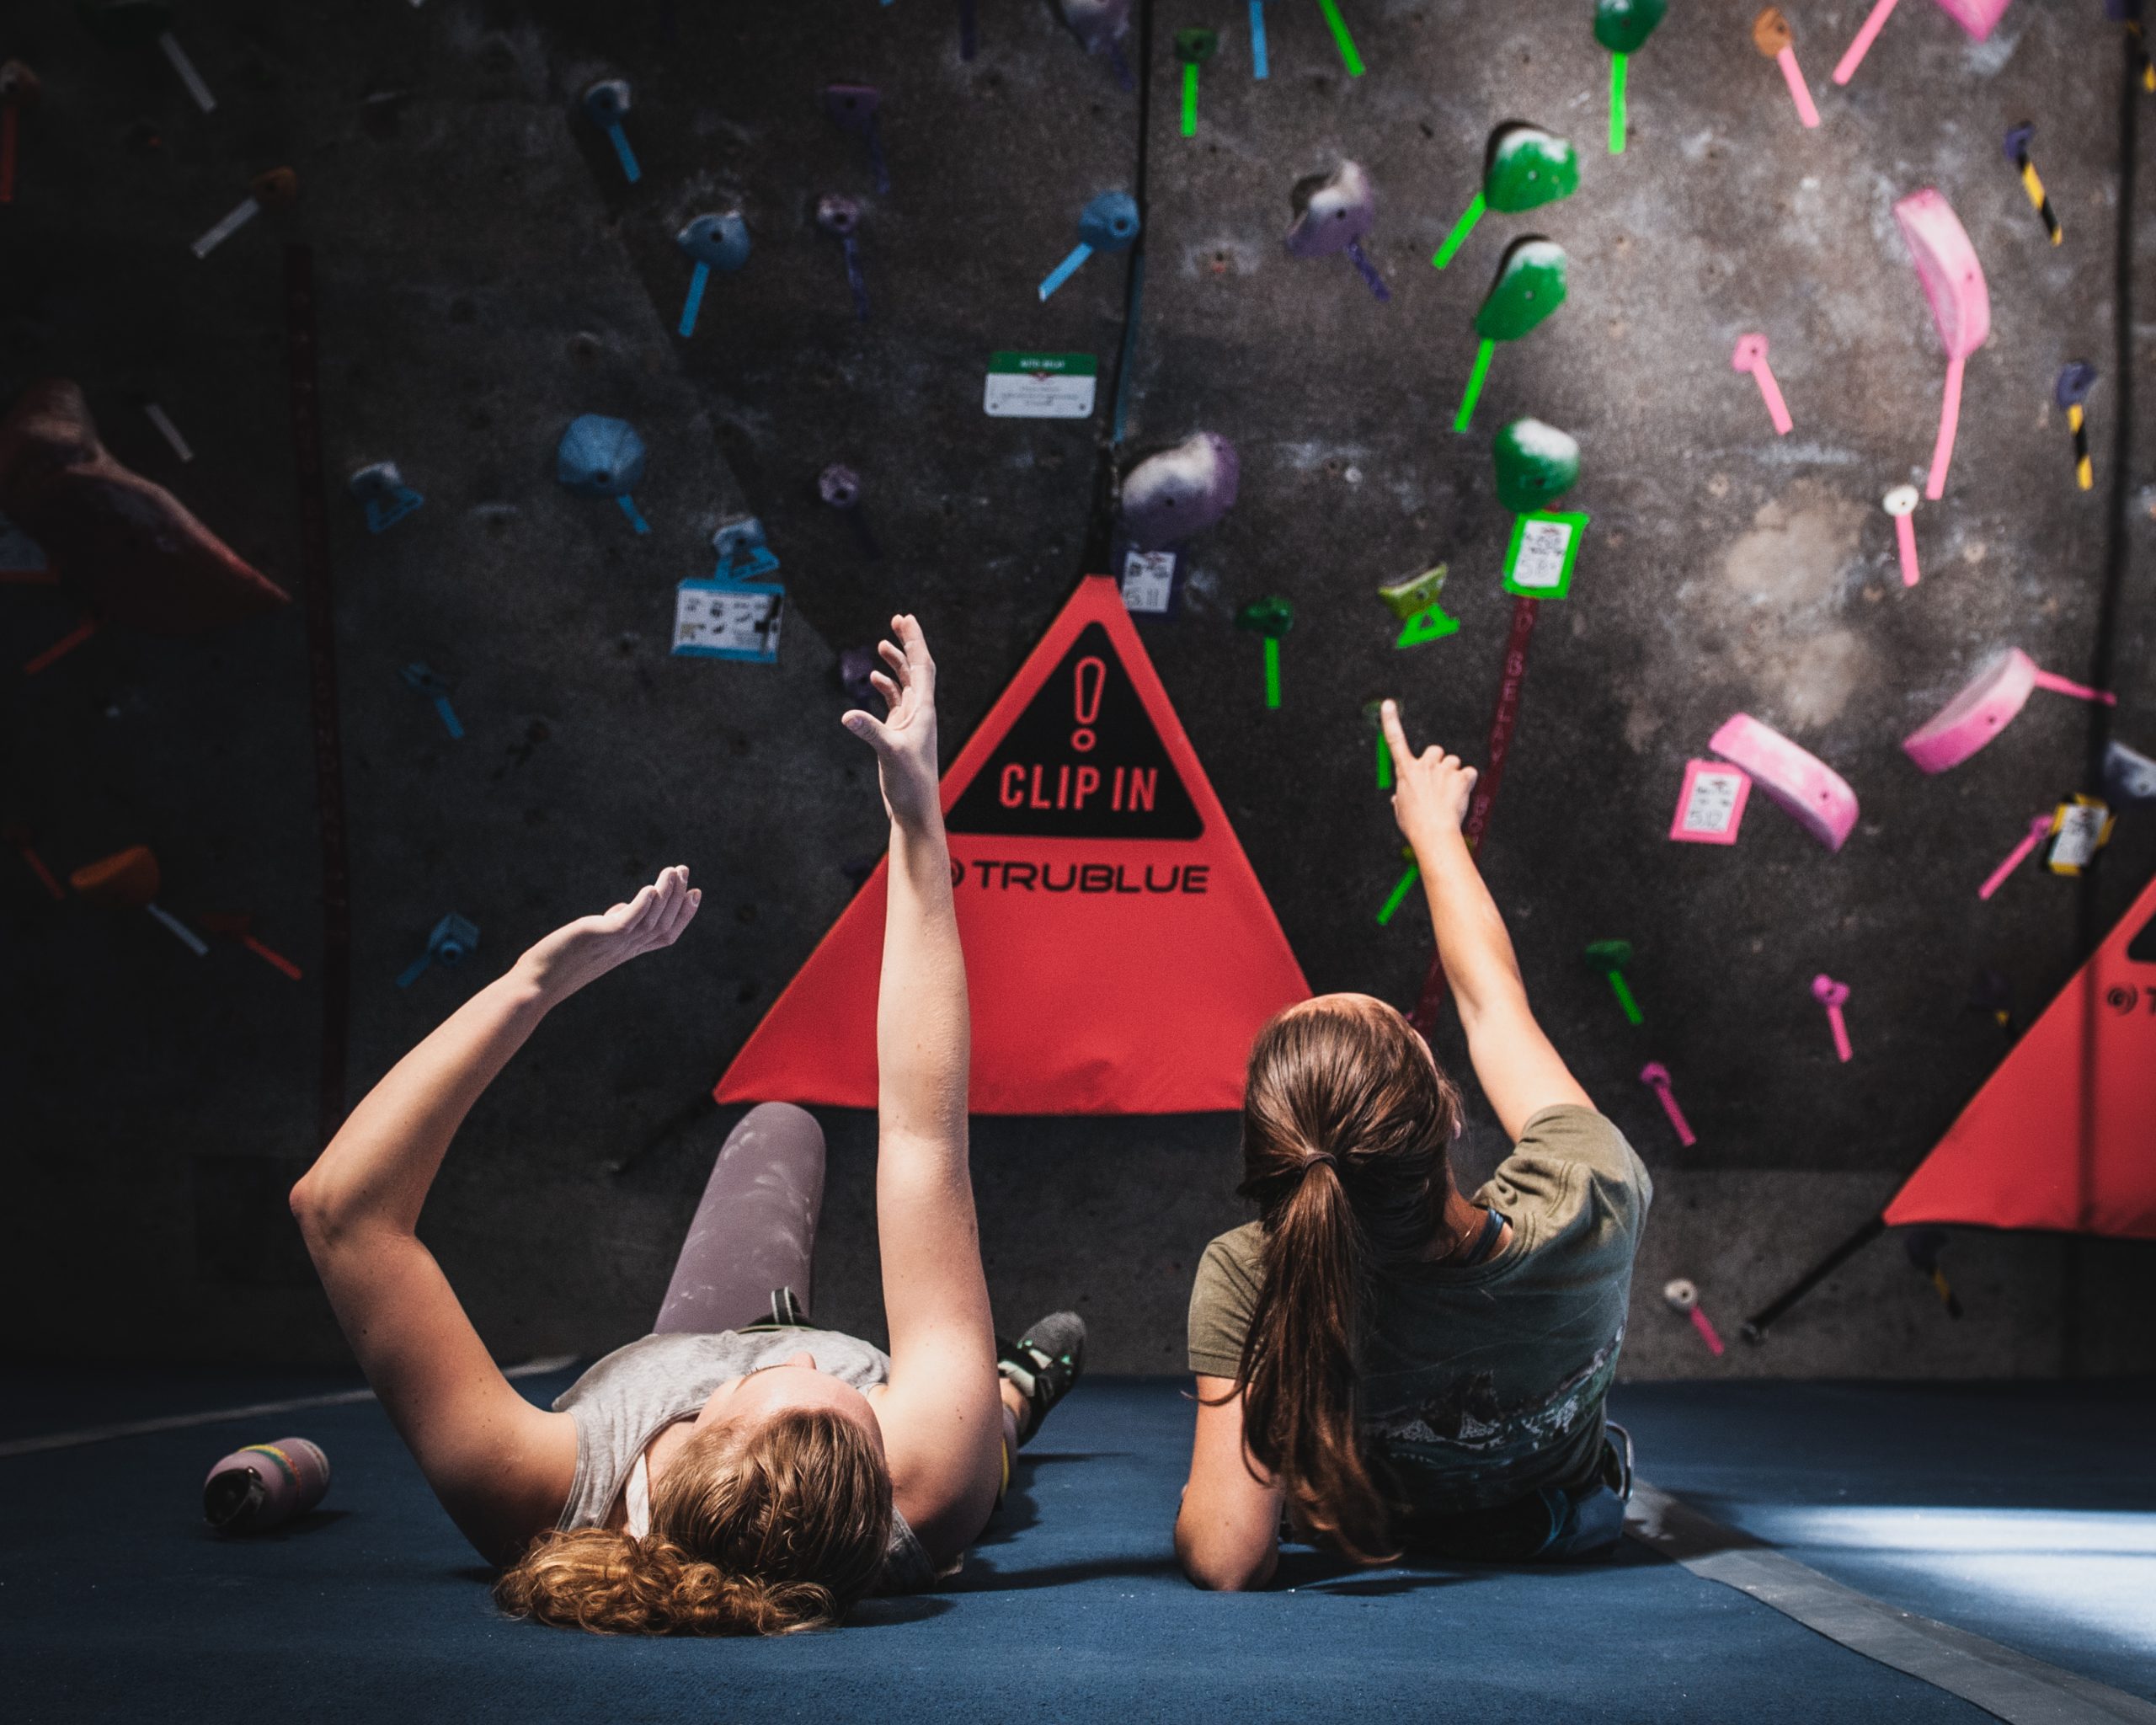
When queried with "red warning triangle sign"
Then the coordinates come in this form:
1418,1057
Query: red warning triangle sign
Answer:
1120,954
2063,1135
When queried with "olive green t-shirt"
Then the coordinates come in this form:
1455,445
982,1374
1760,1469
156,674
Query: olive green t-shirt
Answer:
1479,1385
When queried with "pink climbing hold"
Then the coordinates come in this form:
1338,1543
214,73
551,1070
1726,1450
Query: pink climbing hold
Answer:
1834,997
1987,704
2039,828
1979,18
1656,1076
1953,283
1818,796
1751,355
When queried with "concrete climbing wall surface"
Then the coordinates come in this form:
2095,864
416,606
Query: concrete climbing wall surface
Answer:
486,272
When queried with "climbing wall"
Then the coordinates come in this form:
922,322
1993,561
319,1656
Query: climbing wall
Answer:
486,272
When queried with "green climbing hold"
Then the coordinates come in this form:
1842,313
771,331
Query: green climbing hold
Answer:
1415,594
1537,464
1528,168
1530,285
1622,25
1195,47
1270,617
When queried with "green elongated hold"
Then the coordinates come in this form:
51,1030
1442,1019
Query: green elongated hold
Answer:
1530,285
1271,618
1527,168
1622,25
1537,464
1195,47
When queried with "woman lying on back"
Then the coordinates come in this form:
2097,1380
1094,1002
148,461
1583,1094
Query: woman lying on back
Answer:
735,1471
1397,1366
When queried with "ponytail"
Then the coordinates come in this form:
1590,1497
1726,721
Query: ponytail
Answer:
1346,1120
782,1527
1298,1366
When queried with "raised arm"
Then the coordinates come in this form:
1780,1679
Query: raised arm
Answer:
1519,1070
500,1467
942,1416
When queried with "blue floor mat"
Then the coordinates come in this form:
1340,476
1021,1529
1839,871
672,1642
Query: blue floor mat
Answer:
2024,1513
115,1602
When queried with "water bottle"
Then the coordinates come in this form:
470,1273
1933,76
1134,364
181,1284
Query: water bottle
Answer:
264,1484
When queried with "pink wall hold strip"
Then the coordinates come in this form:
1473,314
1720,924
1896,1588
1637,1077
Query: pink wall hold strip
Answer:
1818,796
1905,543
2039,828
1860,44
1800,92
2062,685
1833,995
1950,419
1751,355
1657,1075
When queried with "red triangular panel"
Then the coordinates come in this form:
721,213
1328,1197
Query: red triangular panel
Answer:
1120,954
2064,1135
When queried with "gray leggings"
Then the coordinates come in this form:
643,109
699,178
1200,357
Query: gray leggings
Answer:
754,1234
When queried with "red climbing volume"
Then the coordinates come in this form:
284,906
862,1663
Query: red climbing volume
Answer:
2064,1135
1120,953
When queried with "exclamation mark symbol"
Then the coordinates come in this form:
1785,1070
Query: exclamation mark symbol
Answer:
1086,702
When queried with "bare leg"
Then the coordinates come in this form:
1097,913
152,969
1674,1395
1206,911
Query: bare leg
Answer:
755,1229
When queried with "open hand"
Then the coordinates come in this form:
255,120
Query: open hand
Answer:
1430,790
586,950
904,738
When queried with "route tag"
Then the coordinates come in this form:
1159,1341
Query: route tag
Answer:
1545,544
1040,386
1710,807
716,619
2079,830
1148,581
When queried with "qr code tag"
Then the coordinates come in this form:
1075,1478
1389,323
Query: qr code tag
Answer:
1542,548
728,620
1149,579
1711,804
2079,832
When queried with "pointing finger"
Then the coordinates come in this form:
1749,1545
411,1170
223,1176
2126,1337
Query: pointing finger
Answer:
1396,736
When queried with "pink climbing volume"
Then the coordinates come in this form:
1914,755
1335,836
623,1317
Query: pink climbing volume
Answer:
1833,995
1953,283
1819,798
1986,705
1751,355
2039,827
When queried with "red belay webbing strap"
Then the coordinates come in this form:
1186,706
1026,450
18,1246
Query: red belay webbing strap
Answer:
336,968
1502,723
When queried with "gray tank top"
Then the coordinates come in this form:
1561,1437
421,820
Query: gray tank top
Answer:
635,1392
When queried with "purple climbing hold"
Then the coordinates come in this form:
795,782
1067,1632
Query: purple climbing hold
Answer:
1333,213
1181,491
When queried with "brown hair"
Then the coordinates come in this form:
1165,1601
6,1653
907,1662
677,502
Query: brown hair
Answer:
780,1527
1346,1121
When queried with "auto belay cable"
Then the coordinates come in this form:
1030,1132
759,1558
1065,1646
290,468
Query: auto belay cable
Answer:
1502,723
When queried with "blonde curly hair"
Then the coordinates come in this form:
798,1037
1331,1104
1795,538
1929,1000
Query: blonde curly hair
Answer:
778,1528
